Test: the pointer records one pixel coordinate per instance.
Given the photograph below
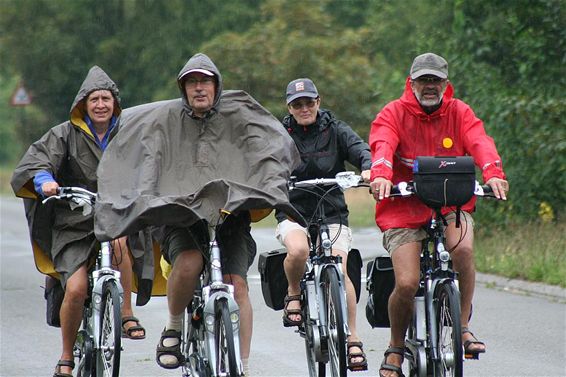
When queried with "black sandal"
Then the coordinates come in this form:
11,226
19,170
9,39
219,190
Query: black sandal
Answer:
356,366
175,350
474,341
288,322
63,363
391,367
127,333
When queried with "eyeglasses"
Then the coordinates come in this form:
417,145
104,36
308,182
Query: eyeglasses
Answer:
193,81
297,105
430,80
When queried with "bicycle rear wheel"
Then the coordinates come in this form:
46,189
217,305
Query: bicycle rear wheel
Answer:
226,360
334,299
110,342
447,299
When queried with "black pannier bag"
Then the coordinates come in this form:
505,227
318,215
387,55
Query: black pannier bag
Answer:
444,181
53,294
273,280
380,284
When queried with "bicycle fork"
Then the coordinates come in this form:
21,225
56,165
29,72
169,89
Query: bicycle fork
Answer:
218,290
100,276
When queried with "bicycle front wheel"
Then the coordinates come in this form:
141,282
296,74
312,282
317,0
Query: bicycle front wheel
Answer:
226,360
110,342
447,299
335,307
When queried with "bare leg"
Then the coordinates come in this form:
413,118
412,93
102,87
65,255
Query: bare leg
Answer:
463,259
242,297
124,265
350,304
406,265
71,312
297,245
181,285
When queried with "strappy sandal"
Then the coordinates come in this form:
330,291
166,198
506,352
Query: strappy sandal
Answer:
174,351
63,363
474,341
356,366
288,322
127,333
391,367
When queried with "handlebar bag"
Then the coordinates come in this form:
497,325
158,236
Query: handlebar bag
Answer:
444,181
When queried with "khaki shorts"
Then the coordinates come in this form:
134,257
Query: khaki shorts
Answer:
395,237
342,243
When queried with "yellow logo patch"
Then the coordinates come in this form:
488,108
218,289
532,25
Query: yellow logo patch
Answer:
447,143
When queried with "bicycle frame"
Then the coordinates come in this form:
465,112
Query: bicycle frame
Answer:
200,324
436,269
90,346
322,281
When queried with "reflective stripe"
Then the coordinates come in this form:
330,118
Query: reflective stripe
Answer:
382,160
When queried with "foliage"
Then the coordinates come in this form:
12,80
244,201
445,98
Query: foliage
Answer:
291,42
506,60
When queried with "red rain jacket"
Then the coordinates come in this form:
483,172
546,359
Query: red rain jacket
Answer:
402,131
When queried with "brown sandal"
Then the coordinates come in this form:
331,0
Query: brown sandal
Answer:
128,333
288,322
394,368
356,366
63,363
474,341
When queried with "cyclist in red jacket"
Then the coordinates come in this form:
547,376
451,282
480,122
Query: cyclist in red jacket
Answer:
426,121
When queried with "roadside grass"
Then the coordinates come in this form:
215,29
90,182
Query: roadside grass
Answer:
530,251
5,176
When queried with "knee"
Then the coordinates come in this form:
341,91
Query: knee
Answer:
75,293
240,288
406,287
297,253
188,264
463,254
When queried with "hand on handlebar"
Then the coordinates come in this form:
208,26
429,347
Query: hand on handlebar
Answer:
50,188
366,175
380,188
499,187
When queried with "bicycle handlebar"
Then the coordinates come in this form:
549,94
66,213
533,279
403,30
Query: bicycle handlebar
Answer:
76,196
407,189
345,180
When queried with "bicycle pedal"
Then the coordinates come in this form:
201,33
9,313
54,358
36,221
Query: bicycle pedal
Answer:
472,356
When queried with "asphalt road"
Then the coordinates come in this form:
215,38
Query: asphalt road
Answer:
525,333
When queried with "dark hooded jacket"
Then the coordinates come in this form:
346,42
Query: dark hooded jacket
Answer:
324,147
70,153
167,167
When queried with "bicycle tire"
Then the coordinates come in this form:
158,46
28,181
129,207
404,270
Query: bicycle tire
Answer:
450,351
310,331
84,351
226,360
334,299
110,342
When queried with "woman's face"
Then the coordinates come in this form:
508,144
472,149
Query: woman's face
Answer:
304,110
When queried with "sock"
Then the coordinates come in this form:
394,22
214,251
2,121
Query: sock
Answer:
246,367
175,322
